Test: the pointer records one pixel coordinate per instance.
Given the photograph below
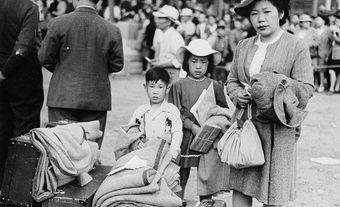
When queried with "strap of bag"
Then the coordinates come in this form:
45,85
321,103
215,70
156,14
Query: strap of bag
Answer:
239,121
249,111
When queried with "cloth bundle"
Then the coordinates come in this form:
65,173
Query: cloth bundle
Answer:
279,98
144,186
67,152
240,146
207,115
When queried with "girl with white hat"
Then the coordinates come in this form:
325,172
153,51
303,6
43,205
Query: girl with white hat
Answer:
198,58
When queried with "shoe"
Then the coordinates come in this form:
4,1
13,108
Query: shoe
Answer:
207,203
321,89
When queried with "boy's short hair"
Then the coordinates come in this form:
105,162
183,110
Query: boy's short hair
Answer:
156,74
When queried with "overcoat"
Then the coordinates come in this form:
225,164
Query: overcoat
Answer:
272,183
81,49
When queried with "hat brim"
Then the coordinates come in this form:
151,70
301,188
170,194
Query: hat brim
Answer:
243,9
181,51
162,15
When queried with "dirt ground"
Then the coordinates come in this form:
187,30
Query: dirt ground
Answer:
317,185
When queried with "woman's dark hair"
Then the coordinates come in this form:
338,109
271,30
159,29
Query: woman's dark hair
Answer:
188,54
281,5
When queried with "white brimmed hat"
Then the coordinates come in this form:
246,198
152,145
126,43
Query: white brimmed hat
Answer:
169,12
199,47
305,18
186,12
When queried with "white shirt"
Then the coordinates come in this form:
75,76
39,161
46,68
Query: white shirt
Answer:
167,43
164,122
260,54
187,28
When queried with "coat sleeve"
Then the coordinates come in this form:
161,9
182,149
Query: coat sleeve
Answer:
26,41
116,55
49,52
233,83
302,75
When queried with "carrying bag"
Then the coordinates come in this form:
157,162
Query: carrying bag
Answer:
240,146
336,52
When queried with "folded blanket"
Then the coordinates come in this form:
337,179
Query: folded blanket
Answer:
145,185
66,152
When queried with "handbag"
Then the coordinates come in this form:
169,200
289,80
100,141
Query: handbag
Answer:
240,146
336,52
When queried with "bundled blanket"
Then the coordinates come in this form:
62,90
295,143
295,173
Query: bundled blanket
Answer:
66,152
144,186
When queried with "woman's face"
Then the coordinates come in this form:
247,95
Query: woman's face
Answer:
265,18
198,66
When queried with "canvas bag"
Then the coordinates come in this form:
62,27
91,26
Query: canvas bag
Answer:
240,146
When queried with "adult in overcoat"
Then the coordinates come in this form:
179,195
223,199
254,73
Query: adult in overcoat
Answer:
271,50
21,91
81,49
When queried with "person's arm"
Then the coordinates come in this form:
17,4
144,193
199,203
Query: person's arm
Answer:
25,43
177,134
234,87
116,55
49,52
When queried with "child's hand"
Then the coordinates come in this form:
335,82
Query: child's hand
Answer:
195,129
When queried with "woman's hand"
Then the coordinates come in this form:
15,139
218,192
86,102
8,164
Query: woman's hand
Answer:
243,98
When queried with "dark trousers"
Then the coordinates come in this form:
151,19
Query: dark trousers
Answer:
78,115
21,99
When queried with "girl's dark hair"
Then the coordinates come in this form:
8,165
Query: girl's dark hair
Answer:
281,5
188,54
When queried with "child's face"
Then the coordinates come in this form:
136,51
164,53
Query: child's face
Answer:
156,91
198,66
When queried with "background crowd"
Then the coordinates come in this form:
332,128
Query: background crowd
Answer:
223,32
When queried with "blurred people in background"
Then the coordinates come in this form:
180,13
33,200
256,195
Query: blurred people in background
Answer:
167,40
202,29
187,28
236,34
221,44
325,38
335,57
309,35
294,23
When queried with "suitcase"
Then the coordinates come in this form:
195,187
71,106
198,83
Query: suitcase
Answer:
72,194
21,163
22,160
